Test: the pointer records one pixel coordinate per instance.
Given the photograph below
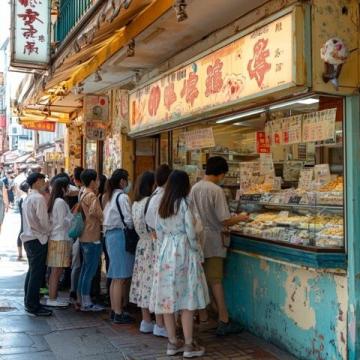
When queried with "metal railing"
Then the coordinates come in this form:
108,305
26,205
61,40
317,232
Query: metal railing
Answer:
70,13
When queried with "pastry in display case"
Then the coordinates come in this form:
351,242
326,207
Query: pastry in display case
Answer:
295,216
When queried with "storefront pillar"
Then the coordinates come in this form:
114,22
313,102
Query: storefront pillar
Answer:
353,223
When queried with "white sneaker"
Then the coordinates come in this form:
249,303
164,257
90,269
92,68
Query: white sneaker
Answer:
146,327
56,303
160,331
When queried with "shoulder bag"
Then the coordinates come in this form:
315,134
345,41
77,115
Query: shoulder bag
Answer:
78,221
131,236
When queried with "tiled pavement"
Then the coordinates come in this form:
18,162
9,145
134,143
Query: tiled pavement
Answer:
74,335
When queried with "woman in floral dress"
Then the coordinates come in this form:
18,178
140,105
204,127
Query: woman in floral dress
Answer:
143,275
179,280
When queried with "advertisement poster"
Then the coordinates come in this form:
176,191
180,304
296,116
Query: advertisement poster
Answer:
252,64
96,108
73,147
199,139
112,154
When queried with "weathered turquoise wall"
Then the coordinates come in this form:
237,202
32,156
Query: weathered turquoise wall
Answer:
299,309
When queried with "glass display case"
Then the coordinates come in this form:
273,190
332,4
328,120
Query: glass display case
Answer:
312,219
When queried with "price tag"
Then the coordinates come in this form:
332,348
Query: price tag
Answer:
250,197
294,200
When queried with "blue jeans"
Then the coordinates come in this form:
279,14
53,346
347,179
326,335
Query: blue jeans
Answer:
91,256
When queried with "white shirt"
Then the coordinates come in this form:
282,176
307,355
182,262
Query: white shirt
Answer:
60,220
153,208
35,218
112,219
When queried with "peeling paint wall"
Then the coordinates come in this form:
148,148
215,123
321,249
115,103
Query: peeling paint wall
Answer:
301,310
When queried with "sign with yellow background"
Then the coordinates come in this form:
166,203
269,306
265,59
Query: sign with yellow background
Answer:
254,64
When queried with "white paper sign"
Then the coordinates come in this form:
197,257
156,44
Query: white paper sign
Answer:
199,139
319,126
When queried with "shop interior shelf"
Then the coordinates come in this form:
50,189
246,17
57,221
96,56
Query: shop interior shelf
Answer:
235,154
336,208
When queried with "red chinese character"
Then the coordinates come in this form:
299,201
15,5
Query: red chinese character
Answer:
169,96
189,89
42,38
30,48
30,17
154,100
214,81
257,66
29,32
32,3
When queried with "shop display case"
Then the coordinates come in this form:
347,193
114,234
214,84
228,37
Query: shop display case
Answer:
308,220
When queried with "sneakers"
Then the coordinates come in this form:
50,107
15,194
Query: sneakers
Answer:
160,331
39,312
228,328
173,349
193,350
112,315
146,327
92,308
123,319
56,303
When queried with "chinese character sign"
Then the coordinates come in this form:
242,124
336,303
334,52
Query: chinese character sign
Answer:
31,37
48,126
259,62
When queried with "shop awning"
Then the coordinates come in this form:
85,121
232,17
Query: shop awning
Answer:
37,115
91,49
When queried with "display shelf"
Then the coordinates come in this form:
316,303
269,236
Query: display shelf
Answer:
338,208
309,256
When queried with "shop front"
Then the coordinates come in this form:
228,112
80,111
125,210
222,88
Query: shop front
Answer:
290,150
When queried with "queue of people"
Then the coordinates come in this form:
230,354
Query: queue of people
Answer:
163,246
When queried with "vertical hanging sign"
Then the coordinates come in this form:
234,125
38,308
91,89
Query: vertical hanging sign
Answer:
30,34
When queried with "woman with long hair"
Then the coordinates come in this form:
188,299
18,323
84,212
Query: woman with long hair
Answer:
121,262
179,280
143,275
59,247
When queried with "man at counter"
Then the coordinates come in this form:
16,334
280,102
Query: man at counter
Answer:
209,200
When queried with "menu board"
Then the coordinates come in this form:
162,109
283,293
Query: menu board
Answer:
291,130
199,139
319,126
312,127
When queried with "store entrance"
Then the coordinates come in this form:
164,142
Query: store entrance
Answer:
146,154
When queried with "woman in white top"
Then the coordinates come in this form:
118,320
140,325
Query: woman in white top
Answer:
59,246
121,262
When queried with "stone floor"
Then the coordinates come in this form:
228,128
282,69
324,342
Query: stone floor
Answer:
75,335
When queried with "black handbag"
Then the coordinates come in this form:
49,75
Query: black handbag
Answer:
131,236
